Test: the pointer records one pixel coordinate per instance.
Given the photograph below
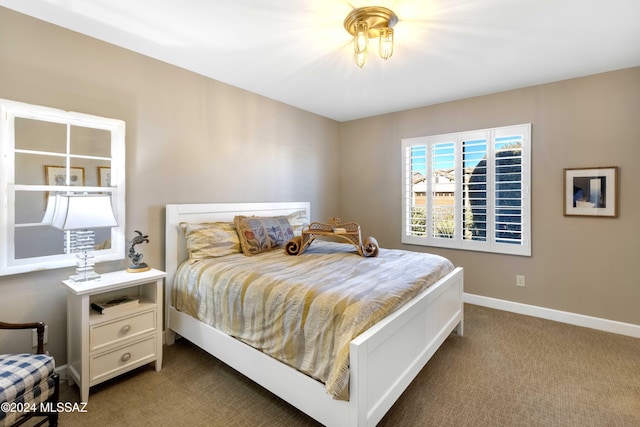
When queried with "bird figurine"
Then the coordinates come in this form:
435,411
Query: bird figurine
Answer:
137,266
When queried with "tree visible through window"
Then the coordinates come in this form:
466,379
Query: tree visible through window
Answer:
468,190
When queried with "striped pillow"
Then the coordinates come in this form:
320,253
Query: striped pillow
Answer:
210,240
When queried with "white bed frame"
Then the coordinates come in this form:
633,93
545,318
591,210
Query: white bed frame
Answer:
383,360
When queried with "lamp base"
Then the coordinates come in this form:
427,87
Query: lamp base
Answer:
83,243
85,277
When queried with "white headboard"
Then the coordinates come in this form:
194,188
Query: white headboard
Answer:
175,243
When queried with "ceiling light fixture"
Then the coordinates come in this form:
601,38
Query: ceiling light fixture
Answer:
369,22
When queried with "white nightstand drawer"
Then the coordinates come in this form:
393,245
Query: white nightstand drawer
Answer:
121,329
109,364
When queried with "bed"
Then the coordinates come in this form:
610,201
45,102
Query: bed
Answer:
382,361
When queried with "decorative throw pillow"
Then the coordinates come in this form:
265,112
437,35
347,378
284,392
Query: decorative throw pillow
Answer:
210,239
262,234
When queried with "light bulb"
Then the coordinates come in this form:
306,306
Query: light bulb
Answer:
386,43
361,58
361,37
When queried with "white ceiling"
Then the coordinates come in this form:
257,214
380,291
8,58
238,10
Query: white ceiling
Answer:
297,51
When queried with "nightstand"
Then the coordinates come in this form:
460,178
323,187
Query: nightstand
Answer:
103,346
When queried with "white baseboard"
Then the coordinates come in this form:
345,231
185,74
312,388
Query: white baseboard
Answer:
62,371
606,325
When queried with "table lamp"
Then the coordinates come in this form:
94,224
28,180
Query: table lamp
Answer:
77,213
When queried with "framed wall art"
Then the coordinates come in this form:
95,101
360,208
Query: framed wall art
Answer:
57,175
104,176
591,191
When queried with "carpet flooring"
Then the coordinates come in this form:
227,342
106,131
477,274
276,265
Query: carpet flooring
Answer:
507,370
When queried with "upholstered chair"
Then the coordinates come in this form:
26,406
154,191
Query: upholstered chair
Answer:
28,385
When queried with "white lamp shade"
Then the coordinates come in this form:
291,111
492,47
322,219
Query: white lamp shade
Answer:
51,209
77,212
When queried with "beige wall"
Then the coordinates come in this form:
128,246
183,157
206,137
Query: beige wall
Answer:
189,140
580,265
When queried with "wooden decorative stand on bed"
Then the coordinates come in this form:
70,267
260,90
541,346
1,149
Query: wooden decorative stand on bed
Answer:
349,231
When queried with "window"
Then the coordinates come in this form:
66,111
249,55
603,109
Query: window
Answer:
469,190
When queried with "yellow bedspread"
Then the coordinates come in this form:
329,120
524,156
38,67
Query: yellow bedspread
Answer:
304,310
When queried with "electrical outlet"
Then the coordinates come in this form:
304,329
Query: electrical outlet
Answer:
520,281
35,336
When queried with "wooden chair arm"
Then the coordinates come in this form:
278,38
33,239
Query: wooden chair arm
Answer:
38,326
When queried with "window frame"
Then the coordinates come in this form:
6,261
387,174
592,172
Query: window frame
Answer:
11,110
458,242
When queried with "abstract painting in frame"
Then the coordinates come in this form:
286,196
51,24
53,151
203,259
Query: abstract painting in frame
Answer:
591,191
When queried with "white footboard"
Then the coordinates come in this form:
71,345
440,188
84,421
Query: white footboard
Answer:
388,356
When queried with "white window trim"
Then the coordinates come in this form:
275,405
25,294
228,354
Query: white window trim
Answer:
9,111
490,245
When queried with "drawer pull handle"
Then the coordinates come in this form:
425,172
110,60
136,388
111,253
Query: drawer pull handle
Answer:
125,357
125,329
